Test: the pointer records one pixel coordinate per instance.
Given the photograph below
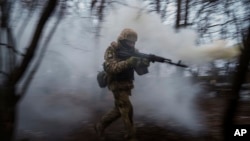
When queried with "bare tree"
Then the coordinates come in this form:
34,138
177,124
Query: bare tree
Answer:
178,14
182,13
11,72
239,79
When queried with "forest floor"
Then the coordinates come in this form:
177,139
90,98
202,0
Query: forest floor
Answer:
148,130
212,107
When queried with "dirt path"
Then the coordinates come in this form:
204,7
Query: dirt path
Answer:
150,131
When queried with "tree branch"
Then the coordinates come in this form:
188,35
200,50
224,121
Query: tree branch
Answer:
40,57
4,73
19,71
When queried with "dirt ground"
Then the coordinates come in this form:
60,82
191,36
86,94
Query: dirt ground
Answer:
147,130
212,108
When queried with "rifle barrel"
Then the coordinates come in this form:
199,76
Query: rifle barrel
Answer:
176,64
152,58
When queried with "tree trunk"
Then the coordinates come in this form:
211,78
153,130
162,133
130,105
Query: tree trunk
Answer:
8,95
7,113
186,13
158,6
239,78
178,15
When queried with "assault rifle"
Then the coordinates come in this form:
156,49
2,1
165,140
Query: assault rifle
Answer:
151,57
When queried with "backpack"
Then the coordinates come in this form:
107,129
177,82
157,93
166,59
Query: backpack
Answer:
102,79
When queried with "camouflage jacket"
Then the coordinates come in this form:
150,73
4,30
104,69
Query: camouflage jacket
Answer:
117,67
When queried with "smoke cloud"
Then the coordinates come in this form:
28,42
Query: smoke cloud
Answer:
162,39
205,53
65,87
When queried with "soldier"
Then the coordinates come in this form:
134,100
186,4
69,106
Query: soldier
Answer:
120,72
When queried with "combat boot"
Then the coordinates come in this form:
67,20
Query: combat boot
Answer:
99,131
131,134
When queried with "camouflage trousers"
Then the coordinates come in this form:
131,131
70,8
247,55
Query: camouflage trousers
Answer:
123,109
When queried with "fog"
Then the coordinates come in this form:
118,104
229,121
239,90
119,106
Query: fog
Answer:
65,88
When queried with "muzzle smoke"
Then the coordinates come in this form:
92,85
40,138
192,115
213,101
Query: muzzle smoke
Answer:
205,53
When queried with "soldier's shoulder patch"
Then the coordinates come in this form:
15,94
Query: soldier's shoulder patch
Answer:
110,55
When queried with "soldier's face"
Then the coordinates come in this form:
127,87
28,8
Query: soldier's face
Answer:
130,43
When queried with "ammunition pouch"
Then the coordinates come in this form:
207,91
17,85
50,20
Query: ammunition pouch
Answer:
141,70
102,79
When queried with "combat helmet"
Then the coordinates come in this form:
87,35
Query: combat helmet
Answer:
128,34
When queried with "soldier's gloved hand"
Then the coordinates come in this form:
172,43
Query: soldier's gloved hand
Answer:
144,62
133,61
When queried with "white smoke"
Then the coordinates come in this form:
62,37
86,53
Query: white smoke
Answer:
205,53
59,97
157,37
171,97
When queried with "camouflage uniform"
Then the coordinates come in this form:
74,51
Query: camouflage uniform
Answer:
120,82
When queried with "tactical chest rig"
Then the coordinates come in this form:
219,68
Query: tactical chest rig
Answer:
103,78
127,74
